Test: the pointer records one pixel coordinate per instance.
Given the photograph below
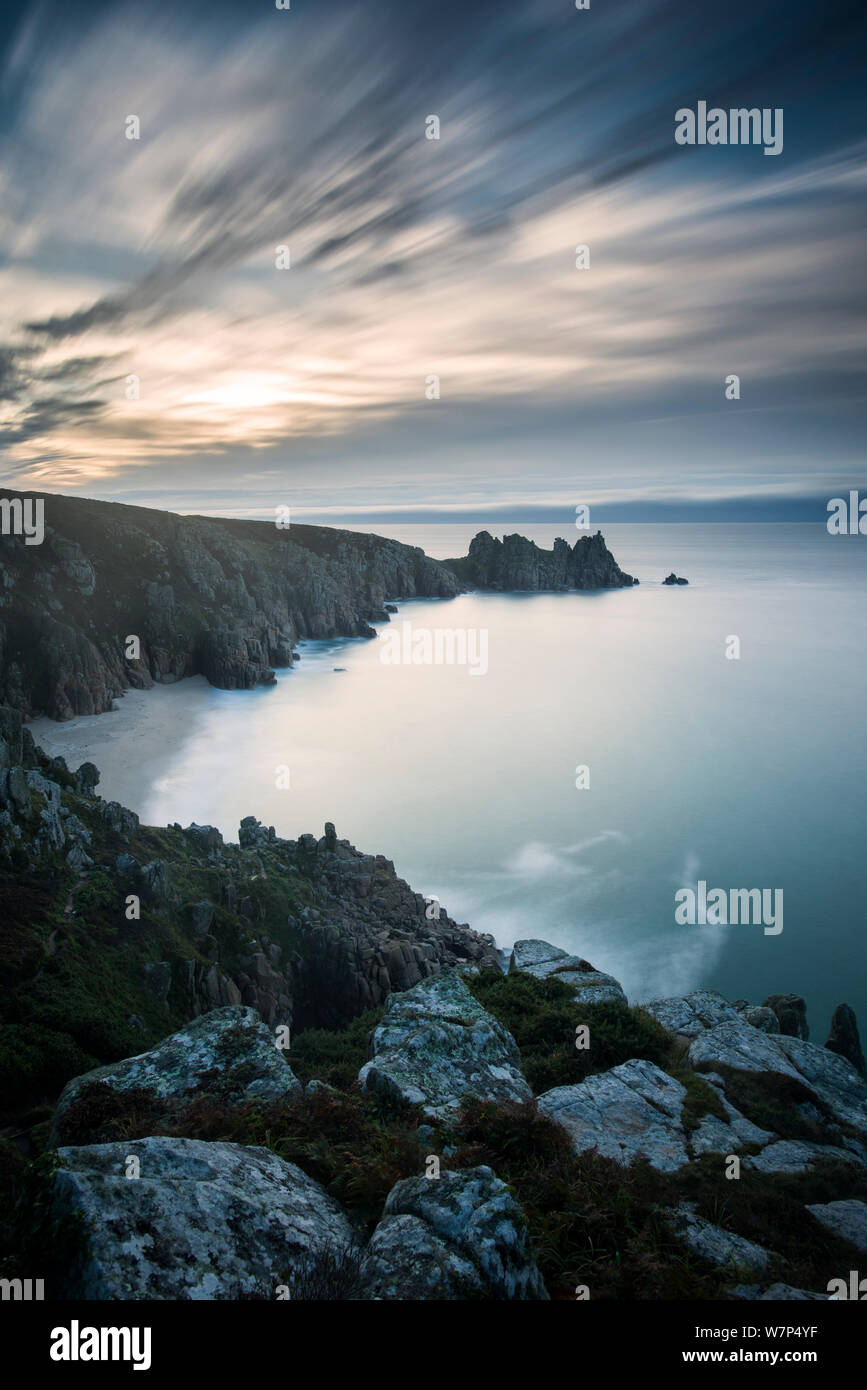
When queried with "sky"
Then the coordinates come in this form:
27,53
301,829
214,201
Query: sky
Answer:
153,351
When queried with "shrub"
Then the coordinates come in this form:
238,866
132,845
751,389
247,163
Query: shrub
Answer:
542,1017
334,1057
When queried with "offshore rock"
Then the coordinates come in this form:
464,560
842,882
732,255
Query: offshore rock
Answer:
791,1011
843,1038
515,563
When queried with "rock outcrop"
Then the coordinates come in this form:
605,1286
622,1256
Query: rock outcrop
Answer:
515,563
843,1038
791,1012
230,1047
634,1109
461,1235
541,959
436,1045
832,1089
368,934
715,1244
183,1219
693,1013
847,1219
308,932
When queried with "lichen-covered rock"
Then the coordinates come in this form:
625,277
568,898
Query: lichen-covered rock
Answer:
714,1244
541,959
406,1260
231,1045
634,1109
461,1235
692,1013
832,1078
78,858
198,1221
47,798
734,1043
846,1219
838,1091
714,1136
436,1044
798,1155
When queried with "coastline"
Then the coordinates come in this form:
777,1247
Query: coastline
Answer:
130,743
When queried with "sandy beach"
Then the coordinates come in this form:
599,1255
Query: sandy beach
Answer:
131,743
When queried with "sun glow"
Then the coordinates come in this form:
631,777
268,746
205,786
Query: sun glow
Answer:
246,393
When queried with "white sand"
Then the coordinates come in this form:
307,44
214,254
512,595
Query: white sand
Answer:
132,742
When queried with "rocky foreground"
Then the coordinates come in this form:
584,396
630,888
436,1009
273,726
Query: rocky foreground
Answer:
271,1070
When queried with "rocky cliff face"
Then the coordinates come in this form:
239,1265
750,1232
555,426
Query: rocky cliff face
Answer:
518,563
222,598
117,931
227,599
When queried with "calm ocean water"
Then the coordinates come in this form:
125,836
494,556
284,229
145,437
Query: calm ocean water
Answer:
744,773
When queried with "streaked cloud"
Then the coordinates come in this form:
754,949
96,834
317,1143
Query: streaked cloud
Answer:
414,257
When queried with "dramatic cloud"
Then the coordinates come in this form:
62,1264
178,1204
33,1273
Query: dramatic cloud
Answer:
148,342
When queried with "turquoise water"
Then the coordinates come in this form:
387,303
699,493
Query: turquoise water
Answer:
744,773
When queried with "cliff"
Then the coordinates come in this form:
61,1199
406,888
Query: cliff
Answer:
309,932
222,598
227,599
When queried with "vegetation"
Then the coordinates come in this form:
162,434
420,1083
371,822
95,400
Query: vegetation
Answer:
542,1017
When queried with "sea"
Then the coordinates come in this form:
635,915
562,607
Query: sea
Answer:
571,766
